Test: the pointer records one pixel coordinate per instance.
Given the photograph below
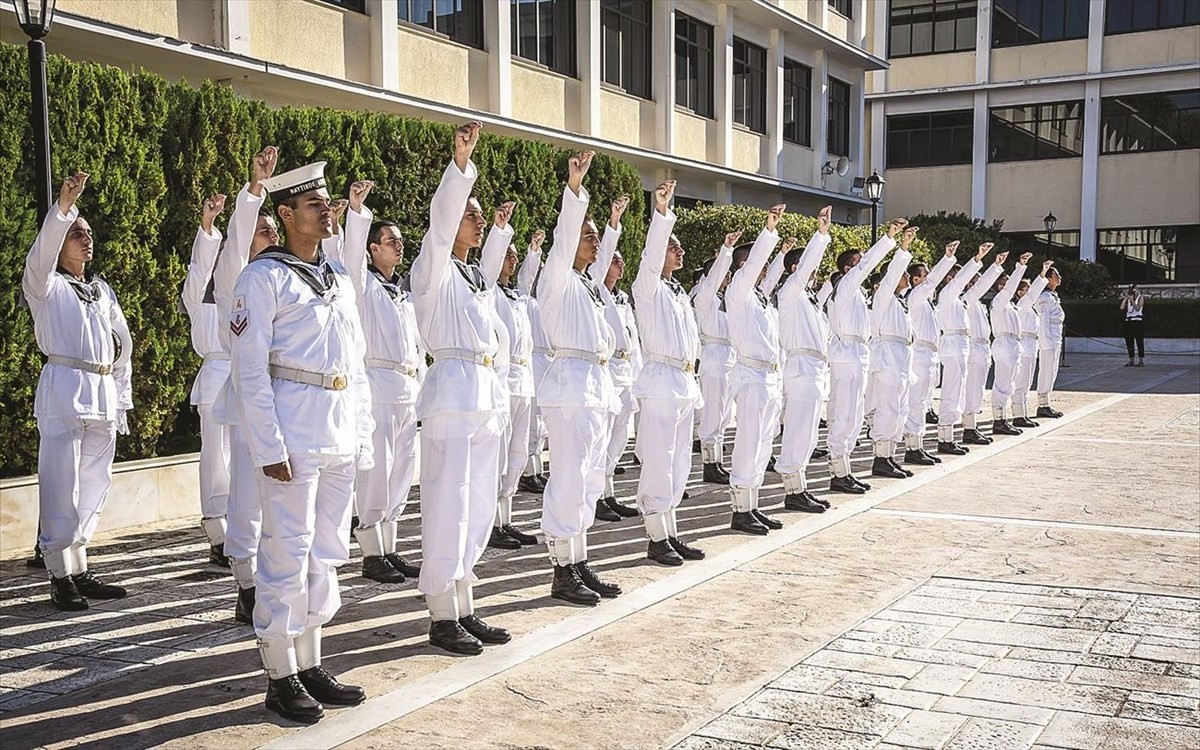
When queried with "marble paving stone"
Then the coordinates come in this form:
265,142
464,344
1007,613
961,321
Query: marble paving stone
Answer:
1160,714
925,729
988,709
1073,731
743,729
806,737
990,734
1151,683
857,691
861,717
943,679
1032,636
1082,698
1034,670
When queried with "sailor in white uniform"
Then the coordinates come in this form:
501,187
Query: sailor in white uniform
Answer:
372,252
717,359
1051,322
305,410
954,348
577,395
533,479
925,282
980,359
1027,297
1006,327
206,323
83,394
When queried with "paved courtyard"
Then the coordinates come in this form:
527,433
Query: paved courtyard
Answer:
1043,591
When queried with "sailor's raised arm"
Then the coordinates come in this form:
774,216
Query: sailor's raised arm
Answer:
954,287
745,278
239,233
1006,293
770,281
986,280
491,258
924,291
355,253
814,251
561,257
874,256
705,294
658,236
1035,289
205,247
608,243
527,272
446,211
333,246
885,296
43,256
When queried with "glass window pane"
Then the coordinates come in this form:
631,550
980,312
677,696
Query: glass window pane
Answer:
1054,16
1077,20
964,34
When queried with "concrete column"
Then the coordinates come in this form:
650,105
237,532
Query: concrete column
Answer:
235,26
1091,170
497,30
723,73
385,44
1095,43
878,156
983,41
858,125
820,109
858,35
979,157
663,66
772,158
588,21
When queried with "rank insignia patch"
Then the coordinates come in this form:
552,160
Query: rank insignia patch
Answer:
239,321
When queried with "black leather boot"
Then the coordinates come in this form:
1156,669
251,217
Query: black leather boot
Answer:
453,637
592,581
696,446
952,449
1025,422
37,560
243,612
622,510
65,595
216,555
746,522
531,483
802,502
404,566
1045,412
92,587
766,520
515,533
882,467
500,540
819,453
714,475
931,457
377,568
931,417
290,699
489,634
771,465
864,485
847,484
975,437
605,513
663,553
326,689
687,552
898,467
1002,427
918,458
568,587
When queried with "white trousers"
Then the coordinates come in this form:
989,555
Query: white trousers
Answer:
1048,360
1005,355
537,432
848,389
717,413
619,438
978,363
214,465
1024,381
920,392
460,474
891,406
664,442
305,536
243,518
381,492
578,452
514,448
804,393
75,458
954,384
758,406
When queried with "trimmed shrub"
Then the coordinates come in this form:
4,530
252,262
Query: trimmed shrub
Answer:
155,150
1103,318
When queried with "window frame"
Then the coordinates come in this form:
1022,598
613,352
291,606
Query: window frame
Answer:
563,29
633,78
793,89
354,6
695,55
1036,131
844,131
1149,115
842,7
1149,245
404,11
1065,5
1111,6
757,108
934,121
934,8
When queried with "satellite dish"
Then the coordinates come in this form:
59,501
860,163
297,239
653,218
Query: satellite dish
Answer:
843,166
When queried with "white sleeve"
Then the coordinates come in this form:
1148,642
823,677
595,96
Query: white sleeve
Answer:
43,256
200,268
654,254
608,248
445,214
355,255
491,258
253,312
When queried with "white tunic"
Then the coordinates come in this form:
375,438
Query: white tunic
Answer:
849,318
1006,321
1027,310
394,361
802,323
205,319
711,318
666,321
454,312
278,319
67,326
1050,321
512,309
951,313
572,313
753,321
621,365
978,327
893,331
920,302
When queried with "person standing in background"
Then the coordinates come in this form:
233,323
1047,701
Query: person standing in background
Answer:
1132,303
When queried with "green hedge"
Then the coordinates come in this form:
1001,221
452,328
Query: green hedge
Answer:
1165,318
155,150
702,230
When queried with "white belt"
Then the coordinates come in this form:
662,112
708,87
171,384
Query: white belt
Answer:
894,339
926,344
804,350
1137,318
583,354
678,364
621,354
714,340
336,382
1009,336
985,342
956,332
215,357
766,365
1029,336
851,339
99,368
389,364
466,355
543,351
518,361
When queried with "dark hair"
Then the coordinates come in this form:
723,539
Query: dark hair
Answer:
742,251
703,270
377,228
265,212
792,258
954,269
291,202
876,278
843,259
915,269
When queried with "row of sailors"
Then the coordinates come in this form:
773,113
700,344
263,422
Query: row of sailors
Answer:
315,377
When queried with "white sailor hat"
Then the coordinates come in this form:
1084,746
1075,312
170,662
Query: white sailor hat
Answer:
297,181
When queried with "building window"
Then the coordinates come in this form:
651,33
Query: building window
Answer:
797,103
930,140
1036,131
845,7
1151,254
1062,245
838,140
749,85
625,45
694,65
358,6
1124,16
544,31
1150,122
1017,22
927,27
461,20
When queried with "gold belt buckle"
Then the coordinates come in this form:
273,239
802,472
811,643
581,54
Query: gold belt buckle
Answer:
487,361
687,367
603,361
339,382
104,370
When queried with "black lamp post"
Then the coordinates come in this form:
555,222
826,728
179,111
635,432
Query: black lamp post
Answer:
873,190
34,18
1049,220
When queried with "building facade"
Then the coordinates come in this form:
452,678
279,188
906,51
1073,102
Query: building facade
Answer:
751,101
1016,109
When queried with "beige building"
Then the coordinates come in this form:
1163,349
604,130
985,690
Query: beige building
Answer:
751,101
1015,109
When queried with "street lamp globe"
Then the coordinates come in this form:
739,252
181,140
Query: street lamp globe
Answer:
873,187
1050,220
35,16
